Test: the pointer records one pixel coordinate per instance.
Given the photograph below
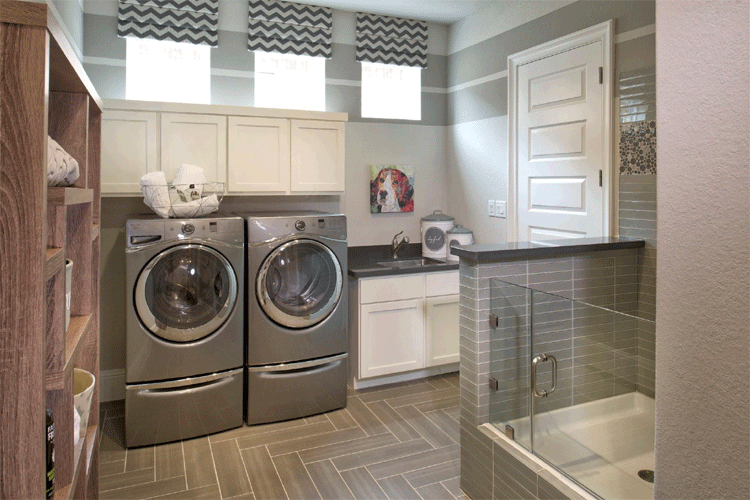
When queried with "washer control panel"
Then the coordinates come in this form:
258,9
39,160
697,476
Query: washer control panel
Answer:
143,232
188,229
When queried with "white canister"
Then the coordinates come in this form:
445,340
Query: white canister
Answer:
457,236
434,227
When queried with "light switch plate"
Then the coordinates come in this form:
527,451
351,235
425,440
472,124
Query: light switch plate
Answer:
500,209
491,208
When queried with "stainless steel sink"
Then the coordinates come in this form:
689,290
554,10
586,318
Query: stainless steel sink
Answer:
407,263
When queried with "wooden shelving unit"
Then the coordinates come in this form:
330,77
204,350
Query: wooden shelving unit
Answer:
45,91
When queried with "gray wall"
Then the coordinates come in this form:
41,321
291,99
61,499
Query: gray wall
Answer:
702,304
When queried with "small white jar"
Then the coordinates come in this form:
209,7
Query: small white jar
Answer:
458,236
434,240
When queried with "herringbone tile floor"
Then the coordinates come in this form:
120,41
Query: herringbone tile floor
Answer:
391,442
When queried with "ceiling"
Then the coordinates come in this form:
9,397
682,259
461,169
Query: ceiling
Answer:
436,11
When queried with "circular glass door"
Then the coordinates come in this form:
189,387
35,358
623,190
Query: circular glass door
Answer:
186,293
299,283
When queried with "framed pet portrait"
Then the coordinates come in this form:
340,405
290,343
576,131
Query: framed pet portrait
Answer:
391,189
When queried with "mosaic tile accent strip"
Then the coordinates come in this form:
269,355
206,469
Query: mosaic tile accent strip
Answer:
638,148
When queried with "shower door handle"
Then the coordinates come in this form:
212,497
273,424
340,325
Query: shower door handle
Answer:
542,358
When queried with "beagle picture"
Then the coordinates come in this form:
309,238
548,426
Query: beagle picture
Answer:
391,189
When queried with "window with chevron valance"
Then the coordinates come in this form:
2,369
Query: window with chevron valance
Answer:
391,40
192,21
290,28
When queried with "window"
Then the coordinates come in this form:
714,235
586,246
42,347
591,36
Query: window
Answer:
158,70
390,91
289,81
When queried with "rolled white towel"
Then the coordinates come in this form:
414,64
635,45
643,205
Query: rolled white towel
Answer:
196,208
62,169
156,193
189,182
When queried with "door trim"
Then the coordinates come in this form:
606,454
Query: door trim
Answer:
604,33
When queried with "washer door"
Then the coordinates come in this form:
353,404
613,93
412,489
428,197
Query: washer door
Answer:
299,283
186,293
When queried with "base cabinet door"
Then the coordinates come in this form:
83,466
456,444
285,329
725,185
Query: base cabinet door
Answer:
130,149
391,337
441,330
258,154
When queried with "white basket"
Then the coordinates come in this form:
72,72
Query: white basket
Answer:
184,201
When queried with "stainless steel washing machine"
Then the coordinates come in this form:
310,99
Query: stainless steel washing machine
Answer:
296,315
184,327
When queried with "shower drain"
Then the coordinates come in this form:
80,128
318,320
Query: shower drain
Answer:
646,475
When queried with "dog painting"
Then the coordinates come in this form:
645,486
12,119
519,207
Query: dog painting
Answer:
391,189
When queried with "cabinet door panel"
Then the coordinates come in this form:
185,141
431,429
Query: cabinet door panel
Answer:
391,337
130,149
317,156
436,284
196,140
441,330
258,154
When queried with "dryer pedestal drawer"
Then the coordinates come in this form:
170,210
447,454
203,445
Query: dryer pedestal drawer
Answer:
160,412
294,390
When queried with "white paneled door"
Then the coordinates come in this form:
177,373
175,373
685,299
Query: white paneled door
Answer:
561,146
258,154
195,140
130,149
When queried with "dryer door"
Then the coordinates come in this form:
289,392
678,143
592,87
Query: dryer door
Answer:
186,293
299,283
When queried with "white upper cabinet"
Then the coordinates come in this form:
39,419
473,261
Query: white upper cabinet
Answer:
317,156
196,140
130,149
258,154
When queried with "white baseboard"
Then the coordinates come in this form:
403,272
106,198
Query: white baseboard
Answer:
403,377
111,385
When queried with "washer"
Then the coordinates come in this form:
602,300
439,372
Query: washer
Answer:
297,315
184,327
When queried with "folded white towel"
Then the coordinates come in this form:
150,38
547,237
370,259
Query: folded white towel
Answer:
62,169
156,193
196,208
189,182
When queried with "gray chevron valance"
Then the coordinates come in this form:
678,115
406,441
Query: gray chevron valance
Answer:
290,28
391,40
194,21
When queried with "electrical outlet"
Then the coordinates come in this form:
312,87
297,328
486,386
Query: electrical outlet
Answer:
500,209
491,208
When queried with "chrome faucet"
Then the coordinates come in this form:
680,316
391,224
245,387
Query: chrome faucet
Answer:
396,245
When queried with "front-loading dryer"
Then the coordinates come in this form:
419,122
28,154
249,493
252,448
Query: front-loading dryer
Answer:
184,327
296,314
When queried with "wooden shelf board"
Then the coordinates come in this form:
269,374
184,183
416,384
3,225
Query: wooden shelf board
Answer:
86,442
79,326
92,443
95,232
55,261
69,196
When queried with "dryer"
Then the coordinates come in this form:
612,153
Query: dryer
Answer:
184,327
296,314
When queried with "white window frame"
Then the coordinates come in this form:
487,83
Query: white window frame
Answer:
391,92
166,71
289,81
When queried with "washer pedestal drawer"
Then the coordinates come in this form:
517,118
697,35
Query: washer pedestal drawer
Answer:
295,390
166,411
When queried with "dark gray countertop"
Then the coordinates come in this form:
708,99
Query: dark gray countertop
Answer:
490,252
363,261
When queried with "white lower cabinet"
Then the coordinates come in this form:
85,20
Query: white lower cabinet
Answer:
407,323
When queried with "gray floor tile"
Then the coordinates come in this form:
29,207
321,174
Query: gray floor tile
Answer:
347,447
441,382
316,419
109,468
454,486
112,445
140,458
365,418
264,479
405,391
199,463
445,423
230,471
434,474
370,457
126,479
284,435
329,482
439,404
210,492
393,421
253,430
435,492
145,490
423,397
402,465
294,477
315,441
429,431
169,460
362,484
398,488
341,419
